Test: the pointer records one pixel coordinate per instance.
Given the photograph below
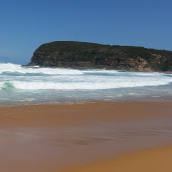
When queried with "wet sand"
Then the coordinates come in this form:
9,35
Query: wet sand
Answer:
54,137
36,115
154,160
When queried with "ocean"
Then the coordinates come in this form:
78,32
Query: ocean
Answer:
21,85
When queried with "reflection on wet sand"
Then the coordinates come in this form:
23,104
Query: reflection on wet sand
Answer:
32,144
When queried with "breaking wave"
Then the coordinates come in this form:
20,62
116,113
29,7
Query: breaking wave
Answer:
34,78
14,69
23,85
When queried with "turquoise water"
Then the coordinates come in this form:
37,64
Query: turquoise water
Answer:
35,85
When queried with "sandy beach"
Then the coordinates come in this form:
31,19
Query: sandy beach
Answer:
154,160
106,136
85,86
81,113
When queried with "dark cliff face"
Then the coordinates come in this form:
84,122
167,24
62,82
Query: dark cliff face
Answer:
91,55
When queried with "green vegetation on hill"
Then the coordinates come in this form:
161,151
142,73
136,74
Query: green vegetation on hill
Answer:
92,55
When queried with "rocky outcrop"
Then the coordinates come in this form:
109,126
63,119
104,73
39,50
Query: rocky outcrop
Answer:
90,55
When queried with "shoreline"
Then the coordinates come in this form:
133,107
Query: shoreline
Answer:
61,114
53,137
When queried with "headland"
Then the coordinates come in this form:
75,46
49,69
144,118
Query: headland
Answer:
84,55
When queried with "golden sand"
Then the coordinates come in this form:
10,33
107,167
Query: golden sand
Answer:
34,115
155,160
38,138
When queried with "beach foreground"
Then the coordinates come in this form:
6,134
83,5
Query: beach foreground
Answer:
155,160
51,138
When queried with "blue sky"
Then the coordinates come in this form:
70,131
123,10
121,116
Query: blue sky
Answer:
26,24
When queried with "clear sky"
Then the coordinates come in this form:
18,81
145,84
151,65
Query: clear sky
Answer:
26,24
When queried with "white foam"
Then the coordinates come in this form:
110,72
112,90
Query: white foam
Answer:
146,73
9,67
23,85
73,79
101,71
